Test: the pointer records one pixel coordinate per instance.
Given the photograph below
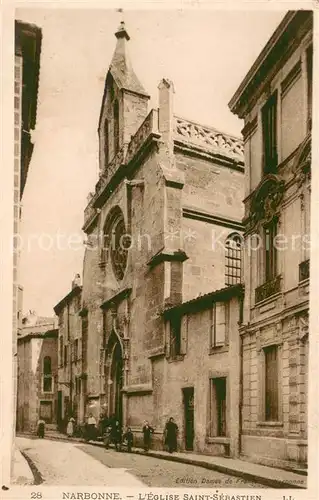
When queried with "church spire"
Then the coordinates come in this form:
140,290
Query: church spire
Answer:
121,67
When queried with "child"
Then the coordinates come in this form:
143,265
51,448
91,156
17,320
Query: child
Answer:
128,437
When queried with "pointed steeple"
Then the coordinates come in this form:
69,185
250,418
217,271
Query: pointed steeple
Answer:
121,67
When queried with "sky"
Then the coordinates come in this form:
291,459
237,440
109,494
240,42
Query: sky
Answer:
205,53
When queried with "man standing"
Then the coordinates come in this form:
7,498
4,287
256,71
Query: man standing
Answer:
171,431
147,433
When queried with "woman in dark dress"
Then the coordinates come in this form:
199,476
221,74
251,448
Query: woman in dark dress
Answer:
171,431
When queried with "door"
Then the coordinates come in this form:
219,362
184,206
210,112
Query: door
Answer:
116,384
46,411
188,397
59,409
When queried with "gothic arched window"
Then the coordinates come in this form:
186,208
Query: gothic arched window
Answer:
233,251
116,119
116,243
47,374
106,143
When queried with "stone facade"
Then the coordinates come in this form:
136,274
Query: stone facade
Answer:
37,373
169,194
276,275
28,39
70,392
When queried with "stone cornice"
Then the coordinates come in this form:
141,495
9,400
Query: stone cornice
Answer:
166,256
279,48
194,151
190,213
117,298
137,390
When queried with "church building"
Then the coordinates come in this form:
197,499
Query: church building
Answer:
163,245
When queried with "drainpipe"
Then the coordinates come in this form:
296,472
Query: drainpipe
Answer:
240,379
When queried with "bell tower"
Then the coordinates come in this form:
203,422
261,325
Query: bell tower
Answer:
124,104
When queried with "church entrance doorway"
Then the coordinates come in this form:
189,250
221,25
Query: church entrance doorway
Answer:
116,383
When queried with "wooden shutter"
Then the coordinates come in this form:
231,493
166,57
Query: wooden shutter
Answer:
271,383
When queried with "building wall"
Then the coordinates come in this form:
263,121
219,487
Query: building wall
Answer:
31,353
280,319
16,215
70,368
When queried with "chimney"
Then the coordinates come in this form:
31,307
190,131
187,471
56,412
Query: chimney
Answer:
166,109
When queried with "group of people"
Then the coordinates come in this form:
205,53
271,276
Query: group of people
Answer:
111,430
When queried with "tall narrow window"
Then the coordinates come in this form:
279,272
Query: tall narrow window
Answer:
218,325
61,351
65,355
76,349
47,374
270,252
175,333
309,86
218,420
271,383
233,260
116,119
106,143
269,127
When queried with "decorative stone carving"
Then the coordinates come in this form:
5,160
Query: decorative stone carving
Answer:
266,200
302,165
208,137
303,326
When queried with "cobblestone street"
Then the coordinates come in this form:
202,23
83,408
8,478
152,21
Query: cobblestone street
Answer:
83,464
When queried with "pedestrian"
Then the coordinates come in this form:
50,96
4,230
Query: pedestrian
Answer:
128,437
147,433
116,434
171,431
70,427
41,428
91,427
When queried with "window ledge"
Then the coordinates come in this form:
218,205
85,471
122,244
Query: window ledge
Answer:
218,440
179,357
270,424
215,350
268,300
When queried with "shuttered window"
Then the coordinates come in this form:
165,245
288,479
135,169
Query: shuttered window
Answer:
269,128
217,427
271,383
270,232
175,334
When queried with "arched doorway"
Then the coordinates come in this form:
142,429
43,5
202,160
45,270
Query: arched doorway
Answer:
116,383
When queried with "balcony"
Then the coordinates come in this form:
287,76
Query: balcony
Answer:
304,270
268,289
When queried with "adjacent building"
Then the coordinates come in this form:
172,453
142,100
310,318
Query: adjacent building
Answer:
163,226
71,383
28,39
37,372
275,102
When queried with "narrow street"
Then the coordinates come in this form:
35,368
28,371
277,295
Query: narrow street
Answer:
65,463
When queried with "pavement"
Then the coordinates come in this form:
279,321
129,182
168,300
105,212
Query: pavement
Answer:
268,476
22,473
66,464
